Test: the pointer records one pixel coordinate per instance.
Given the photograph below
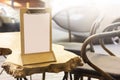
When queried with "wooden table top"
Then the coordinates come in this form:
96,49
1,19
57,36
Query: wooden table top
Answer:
65,61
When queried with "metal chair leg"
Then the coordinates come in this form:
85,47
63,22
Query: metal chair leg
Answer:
89,78
4,56
65,77
1,71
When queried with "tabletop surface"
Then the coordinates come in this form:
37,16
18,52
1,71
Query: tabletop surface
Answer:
65,61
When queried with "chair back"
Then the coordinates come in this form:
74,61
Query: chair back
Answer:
97,37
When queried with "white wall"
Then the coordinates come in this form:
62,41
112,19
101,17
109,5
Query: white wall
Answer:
111,10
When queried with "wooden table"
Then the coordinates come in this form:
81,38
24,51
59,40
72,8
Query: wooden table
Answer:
65,61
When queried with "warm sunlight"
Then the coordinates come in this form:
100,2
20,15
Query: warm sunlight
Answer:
58,5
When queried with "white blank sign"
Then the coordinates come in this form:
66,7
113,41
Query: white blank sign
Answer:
36,32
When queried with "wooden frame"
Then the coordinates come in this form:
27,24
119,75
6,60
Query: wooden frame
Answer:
36,42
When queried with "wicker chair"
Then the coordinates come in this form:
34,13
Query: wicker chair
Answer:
99,66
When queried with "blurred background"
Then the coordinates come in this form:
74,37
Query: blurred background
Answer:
81,14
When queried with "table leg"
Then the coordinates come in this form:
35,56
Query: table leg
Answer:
43,76
70,75
77,77
20,78
17,78
25,78
30,77
65,76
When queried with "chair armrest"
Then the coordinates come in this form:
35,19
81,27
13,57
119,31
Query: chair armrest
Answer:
89,40
111,27
105,48
97,36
